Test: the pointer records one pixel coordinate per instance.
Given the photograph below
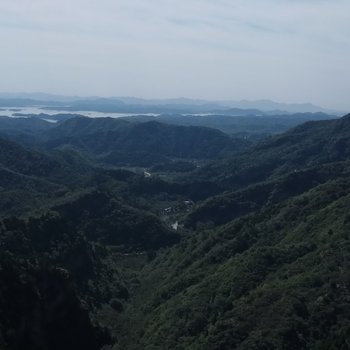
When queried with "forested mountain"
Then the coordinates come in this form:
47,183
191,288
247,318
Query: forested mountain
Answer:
309,144
30,176
249,251
122,142
28,129
113,138
24,125
232,204
275,279
248,125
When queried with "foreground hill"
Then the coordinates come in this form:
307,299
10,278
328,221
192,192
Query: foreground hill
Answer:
57,271
41,261
276,279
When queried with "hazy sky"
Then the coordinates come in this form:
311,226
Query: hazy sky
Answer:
285,50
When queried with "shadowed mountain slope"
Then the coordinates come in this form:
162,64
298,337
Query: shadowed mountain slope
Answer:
309,144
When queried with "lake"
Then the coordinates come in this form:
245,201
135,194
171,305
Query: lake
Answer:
12,111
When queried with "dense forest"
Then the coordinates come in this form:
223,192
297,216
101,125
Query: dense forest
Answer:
175,232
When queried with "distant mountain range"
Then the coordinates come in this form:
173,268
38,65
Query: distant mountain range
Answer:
139,105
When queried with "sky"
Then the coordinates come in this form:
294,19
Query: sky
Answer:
283,50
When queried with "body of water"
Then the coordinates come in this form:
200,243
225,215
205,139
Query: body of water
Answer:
11,112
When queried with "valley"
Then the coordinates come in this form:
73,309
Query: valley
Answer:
175,232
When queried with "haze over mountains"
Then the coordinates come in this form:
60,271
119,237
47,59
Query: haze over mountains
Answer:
132,104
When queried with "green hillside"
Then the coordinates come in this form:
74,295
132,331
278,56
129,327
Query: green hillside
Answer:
117,141
248,252
275,279
309,144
